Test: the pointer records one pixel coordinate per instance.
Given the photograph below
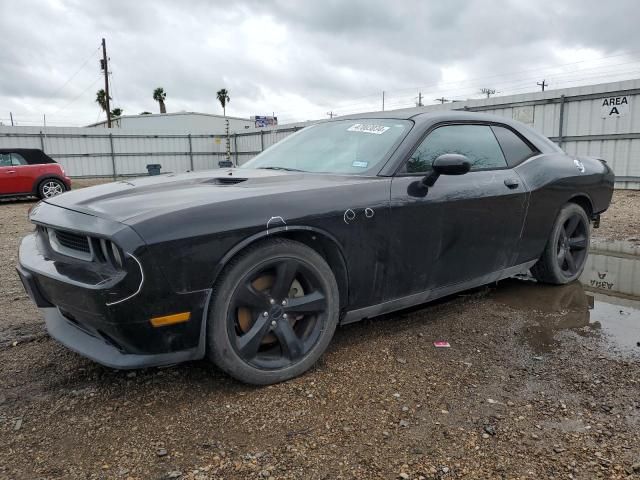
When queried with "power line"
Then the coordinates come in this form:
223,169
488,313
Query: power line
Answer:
76,73
78,96
502,75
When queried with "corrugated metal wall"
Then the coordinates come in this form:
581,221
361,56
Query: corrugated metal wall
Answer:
89,152
571,117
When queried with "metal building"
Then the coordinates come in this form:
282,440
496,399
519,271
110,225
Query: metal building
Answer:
596,120
178,122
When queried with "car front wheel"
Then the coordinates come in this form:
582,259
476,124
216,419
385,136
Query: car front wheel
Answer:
50,187
274,312
566,251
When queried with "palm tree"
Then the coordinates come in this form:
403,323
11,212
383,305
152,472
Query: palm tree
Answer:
117,112
159,96
223,98
101,99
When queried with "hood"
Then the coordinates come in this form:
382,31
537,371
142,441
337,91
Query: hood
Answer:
126,199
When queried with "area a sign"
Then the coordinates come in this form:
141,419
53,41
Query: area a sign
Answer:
614,106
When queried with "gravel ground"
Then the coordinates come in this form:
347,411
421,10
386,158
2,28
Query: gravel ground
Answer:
622,220
528,389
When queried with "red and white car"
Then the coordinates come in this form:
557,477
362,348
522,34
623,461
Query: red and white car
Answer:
28,172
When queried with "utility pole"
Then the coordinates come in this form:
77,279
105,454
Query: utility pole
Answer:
331,114
488,91
11,115
105,67
226,129
419,104
383,100
442,100
543,84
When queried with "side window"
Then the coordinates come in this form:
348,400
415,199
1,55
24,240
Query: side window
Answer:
17,159
5,159
476,142
515,149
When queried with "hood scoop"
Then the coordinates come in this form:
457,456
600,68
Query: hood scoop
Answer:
226,181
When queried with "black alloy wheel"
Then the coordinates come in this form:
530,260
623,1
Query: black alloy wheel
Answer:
274,312
572,244
565,254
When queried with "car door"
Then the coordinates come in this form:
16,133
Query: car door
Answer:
463,228
25,173
8,175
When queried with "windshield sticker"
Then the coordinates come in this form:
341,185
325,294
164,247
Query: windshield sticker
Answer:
360,164
364,128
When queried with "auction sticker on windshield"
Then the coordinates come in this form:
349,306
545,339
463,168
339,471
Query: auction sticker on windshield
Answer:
364,128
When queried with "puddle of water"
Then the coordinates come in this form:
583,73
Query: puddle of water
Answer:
606,304
613,267
620,321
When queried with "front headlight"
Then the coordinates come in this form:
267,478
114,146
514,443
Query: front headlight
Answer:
33,209
110,253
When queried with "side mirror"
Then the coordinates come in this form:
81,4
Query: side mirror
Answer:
447,164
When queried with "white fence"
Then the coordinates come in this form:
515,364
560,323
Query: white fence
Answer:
574,118
90,152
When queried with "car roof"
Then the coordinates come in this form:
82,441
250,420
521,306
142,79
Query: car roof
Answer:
9,150
33,156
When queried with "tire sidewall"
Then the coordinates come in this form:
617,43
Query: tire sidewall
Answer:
219,346
566,212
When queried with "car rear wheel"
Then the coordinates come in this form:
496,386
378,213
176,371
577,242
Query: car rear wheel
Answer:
273,314
566,252
50,187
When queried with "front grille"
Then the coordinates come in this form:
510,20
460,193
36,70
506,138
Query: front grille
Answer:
73,241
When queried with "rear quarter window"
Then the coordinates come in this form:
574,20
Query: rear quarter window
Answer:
515,149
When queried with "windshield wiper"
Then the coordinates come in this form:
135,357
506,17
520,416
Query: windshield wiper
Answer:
281,168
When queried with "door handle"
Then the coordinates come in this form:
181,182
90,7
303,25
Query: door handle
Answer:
511,183
11,171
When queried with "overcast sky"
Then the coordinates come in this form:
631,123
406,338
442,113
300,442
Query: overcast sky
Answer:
301,59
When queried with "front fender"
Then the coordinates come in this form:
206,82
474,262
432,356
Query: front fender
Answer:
281,230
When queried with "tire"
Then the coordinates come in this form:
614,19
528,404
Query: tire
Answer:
50,187
565,254
267,293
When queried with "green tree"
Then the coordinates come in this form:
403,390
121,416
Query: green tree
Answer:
101,99
159,96
117,112
223,98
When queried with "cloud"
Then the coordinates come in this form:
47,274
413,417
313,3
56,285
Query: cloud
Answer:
299,59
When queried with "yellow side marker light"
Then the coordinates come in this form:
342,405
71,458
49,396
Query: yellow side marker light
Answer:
170,319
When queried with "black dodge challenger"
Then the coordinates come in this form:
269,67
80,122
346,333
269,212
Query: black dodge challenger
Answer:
254,267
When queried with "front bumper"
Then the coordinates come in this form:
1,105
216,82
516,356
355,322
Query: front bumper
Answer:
77,301
101,351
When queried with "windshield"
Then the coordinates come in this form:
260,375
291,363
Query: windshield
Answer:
343,146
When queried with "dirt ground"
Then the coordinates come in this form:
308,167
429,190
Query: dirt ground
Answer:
622,220
530,388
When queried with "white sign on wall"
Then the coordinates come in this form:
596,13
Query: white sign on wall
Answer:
614,106
523,114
